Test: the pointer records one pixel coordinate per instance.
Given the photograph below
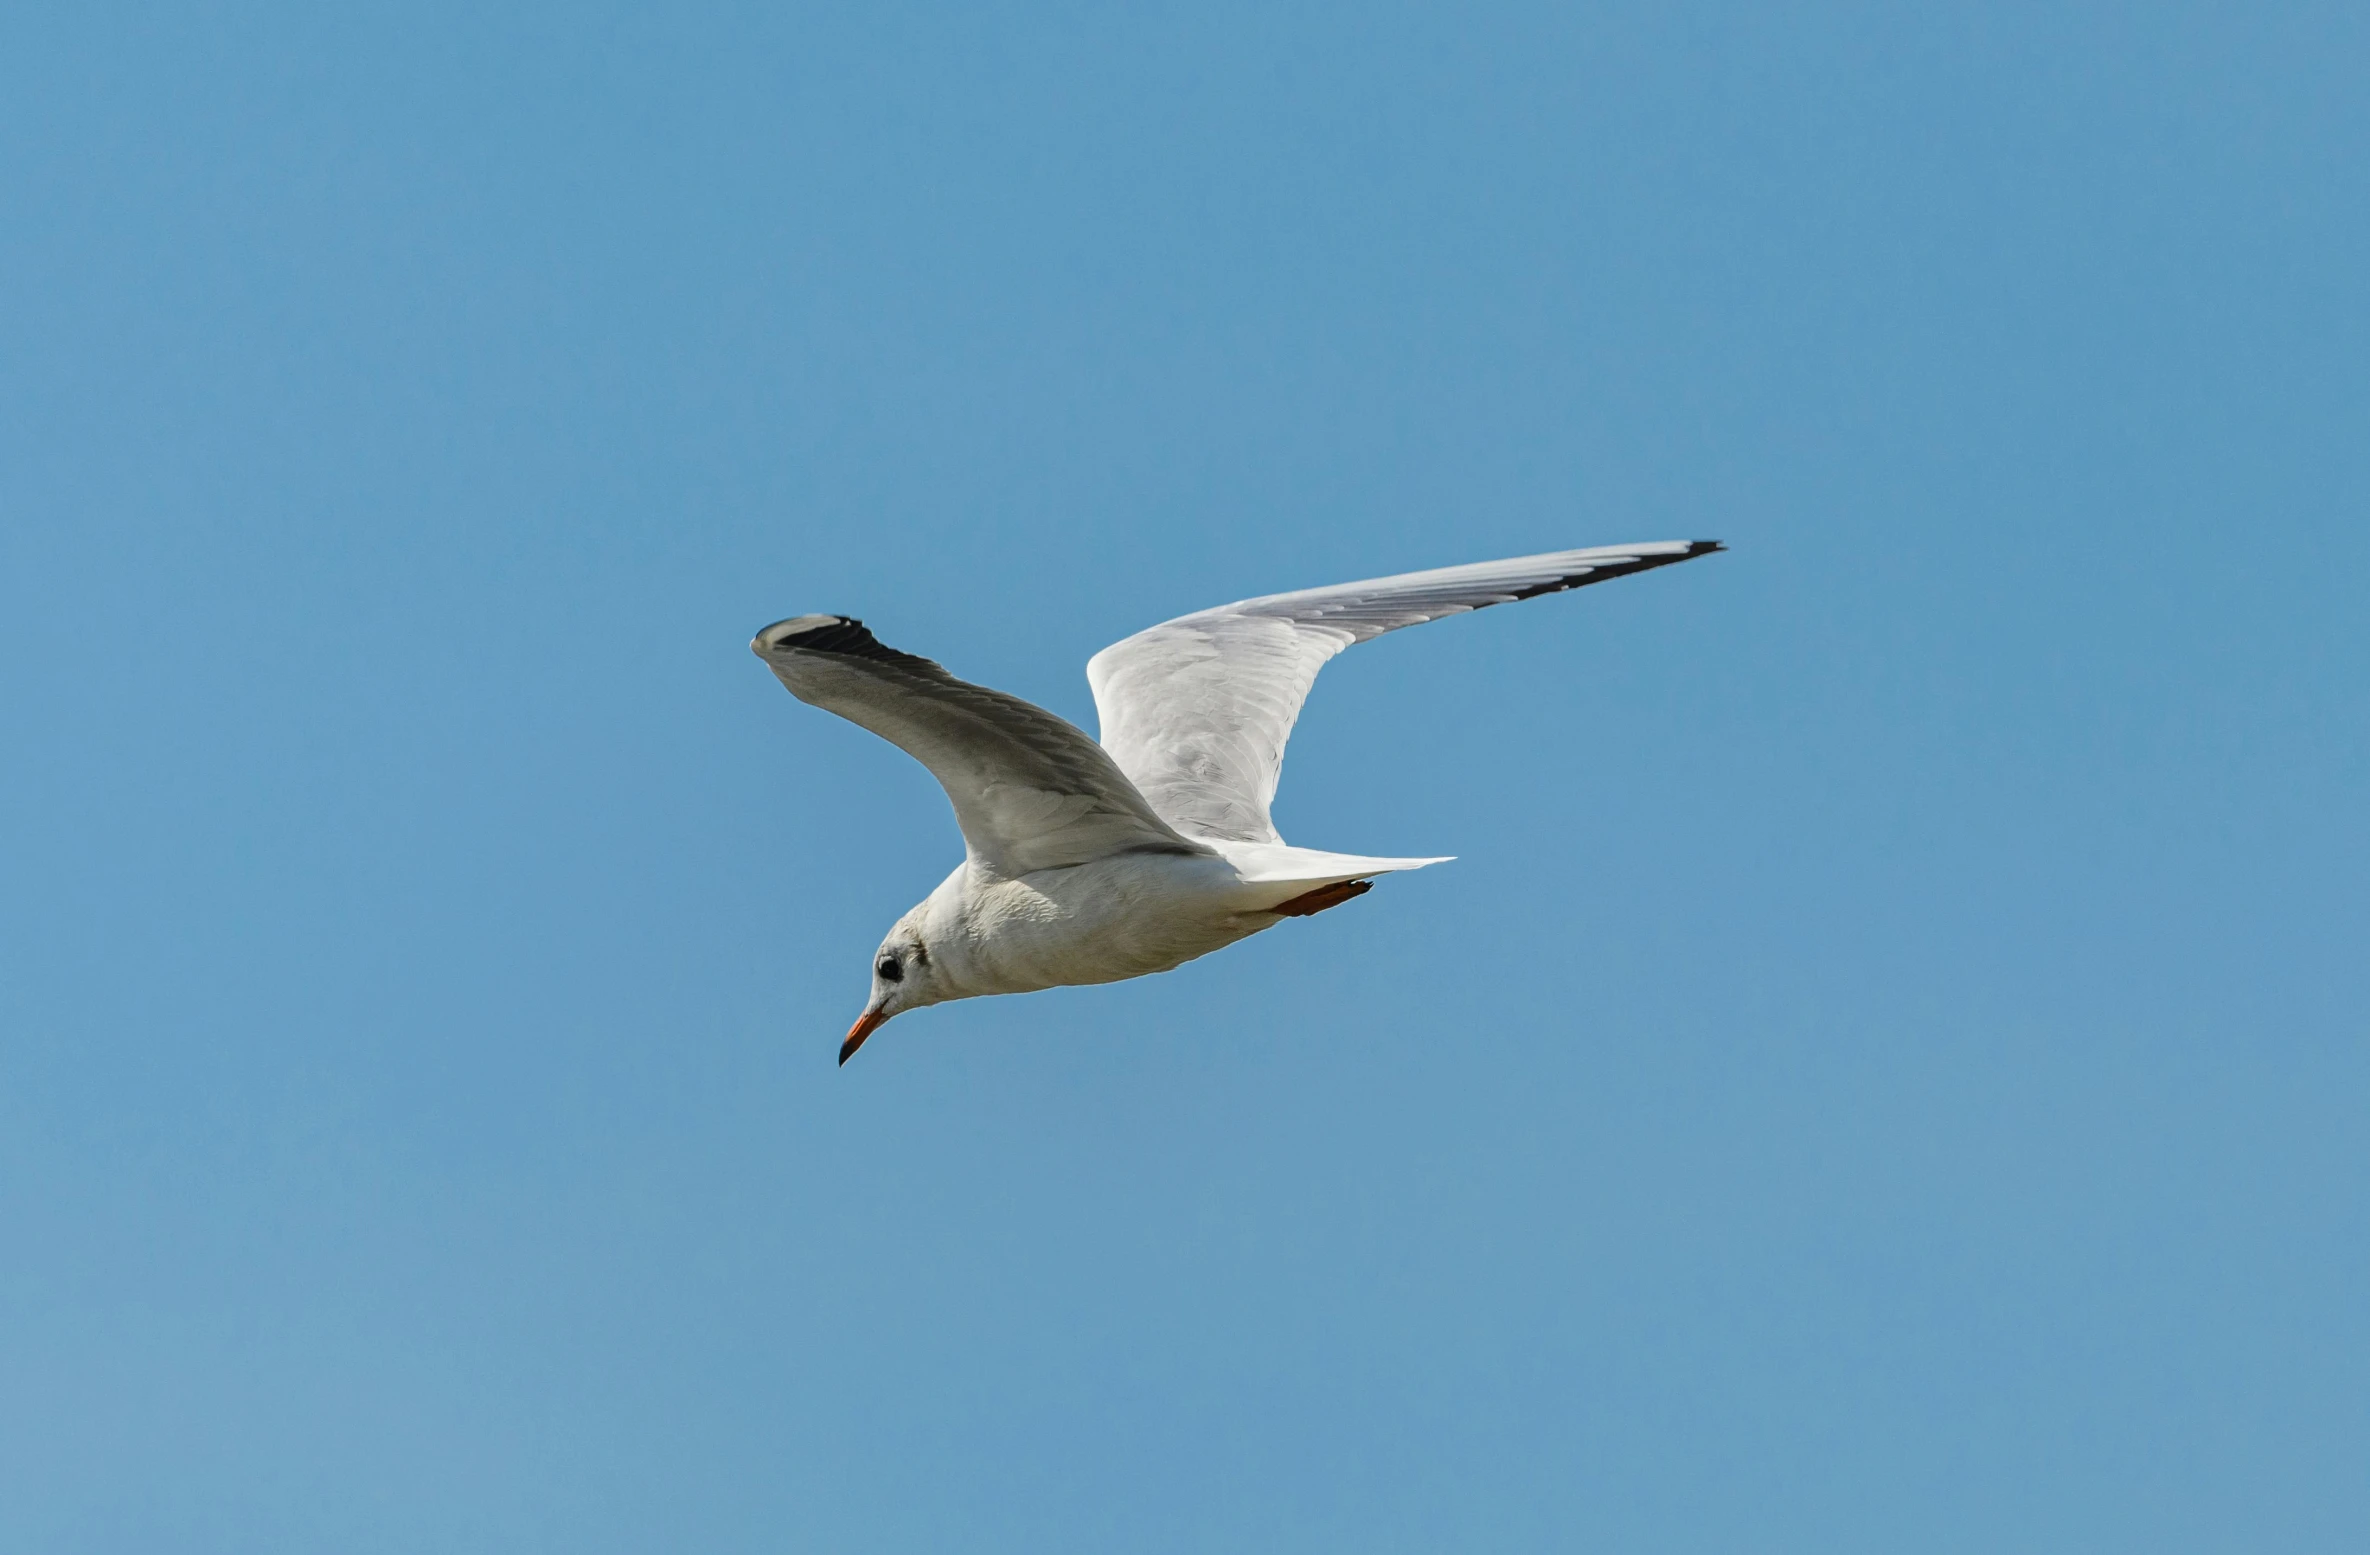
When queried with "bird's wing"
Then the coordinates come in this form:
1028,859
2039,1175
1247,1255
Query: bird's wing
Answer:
1030,790
1197,710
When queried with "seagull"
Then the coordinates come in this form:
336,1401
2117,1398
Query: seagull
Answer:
1089,863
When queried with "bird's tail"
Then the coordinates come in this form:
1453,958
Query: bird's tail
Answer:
1293,872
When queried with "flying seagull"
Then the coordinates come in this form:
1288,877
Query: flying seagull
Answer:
1087,863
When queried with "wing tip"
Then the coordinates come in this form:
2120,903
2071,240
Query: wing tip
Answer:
1607,562
784,634
840,636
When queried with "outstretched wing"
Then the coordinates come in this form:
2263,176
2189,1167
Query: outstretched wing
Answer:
1197,710
1030,790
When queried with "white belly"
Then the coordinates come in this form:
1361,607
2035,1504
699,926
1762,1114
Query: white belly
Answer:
1092,923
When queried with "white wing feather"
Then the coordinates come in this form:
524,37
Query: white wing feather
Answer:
1196,710
1030,790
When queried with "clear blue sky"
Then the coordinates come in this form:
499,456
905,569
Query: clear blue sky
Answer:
1886,1072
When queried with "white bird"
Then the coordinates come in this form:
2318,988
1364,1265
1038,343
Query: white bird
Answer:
1087,863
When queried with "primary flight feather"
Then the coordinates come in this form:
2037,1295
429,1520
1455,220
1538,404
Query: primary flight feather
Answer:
1086,862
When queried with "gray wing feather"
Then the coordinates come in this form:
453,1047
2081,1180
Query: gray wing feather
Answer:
1197,710
1030,790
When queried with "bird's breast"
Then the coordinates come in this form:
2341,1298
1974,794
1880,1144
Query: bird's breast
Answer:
1114,918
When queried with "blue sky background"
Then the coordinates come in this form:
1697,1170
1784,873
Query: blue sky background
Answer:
1887,1070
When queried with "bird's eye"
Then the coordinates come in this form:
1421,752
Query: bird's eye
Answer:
888,969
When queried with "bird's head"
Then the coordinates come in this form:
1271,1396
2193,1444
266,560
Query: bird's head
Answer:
903,978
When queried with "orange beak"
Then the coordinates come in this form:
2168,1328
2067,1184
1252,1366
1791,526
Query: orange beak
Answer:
866,1024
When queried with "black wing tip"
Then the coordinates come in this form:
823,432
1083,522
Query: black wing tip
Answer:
1650,561
821,634
1606,571
842,636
